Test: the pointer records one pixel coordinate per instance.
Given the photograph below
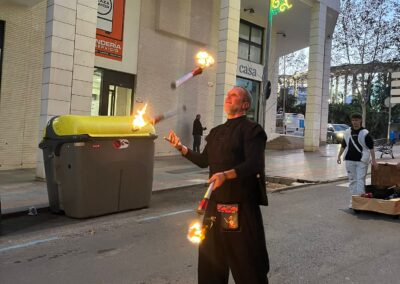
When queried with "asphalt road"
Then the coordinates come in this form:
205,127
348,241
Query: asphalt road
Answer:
310,237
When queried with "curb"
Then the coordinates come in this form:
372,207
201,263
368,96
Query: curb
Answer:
305,183
24,211
41,208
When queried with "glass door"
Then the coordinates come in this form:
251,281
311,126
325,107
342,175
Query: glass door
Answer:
112,93
119,101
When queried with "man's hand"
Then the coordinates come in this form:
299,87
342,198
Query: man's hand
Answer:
218,179
374,163
339,160
174,140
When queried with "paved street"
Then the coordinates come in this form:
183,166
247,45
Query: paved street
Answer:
311,239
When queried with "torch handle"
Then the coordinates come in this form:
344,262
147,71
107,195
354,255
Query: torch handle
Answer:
170,113
167,114
209,191
181,80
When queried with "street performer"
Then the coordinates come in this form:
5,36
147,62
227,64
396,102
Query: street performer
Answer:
235,154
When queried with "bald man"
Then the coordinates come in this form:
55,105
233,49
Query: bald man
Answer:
235,155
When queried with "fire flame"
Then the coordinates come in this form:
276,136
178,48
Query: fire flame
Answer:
204,59
139,121
196,233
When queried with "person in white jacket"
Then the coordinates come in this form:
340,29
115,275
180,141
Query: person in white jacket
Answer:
358,148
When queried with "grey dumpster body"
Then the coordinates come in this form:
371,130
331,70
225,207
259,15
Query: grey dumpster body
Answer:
96,174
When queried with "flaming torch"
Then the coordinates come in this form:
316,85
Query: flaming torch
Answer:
203,60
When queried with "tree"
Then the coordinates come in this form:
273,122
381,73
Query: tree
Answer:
367,31
291,68
295,62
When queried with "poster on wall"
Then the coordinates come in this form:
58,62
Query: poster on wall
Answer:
110,29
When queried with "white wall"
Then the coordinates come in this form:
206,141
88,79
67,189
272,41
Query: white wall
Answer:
21,84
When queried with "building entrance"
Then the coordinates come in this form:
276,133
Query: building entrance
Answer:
112,93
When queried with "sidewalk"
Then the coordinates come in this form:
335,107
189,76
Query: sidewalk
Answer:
19,190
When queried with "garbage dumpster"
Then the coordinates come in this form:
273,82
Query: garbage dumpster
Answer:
97,165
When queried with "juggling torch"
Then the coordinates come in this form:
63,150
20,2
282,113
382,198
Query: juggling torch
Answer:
197,231
140,121
204,60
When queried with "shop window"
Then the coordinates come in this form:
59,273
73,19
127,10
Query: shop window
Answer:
250,42
112,93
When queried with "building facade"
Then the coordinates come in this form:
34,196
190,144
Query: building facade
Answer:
110,57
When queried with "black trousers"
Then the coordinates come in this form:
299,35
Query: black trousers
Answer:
196,143
244,252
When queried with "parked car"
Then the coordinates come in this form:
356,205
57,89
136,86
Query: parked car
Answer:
335,133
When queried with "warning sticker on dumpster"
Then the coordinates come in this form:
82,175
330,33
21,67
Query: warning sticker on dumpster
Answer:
121,143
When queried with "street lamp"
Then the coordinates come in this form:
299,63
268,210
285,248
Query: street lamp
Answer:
266,84
284,86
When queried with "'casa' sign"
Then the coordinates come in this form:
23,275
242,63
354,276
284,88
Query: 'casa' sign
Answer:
249,70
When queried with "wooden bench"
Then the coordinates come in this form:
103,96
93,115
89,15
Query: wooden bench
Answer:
385,146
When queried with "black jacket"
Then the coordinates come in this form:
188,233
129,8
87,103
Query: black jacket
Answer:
237,144
197,127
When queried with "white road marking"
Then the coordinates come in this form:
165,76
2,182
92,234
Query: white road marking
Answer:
32,243
165,215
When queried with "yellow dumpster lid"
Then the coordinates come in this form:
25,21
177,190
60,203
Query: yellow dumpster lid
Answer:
99,126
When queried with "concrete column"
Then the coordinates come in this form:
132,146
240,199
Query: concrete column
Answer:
325,90
315,71
68,63
84,54
227,54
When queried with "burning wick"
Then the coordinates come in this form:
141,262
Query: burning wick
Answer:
138,122
203,60
196,233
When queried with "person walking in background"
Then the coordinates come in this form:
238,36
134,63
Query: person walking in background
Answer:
235,156
197,133
357,146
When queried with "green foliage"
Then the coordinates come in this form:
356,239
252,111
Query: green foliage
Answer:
377,112
291,105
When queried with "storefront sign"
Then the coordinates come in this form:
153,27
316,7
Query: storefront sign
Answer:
249,70
110,28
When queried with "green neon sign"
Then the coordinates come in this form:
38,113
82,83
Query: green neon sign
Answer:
279,6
